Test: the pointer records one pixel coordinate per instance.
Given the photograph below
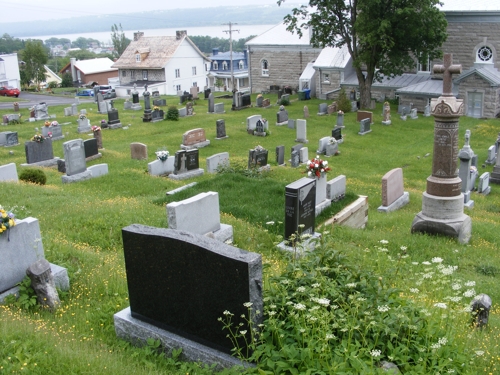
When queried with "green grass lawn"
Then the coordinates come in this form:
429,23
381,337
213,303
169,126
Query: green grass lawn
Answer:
81,230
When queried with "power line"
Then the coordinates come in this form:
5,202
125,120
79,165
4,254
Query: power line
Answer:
230,32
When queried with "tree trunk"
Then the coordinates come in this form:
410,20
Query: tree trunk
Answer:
365,87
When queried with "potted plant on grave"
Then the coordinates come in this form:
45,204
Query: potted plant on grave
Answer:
162,155
95,128
47,123
82,117
38,138
6,220
317,167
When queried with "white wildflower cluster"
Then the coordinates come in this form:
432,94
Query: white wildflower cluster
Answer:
414,290
375,353
470,293
383,308
316,285
301,289
437,260
351,285
299,306
384,242
441,305
441,342
470,283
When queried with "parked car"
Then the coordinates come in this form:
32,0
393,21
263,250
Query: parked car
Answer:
9,91
103,89
86,92
110,94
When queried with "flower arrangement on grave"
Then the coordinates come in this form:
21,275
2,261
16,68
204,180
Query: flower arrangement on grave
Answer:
95,128
82,117
103,122
162,155
54,123
316,167
47,123
340,112
49,134
38,138
156,108
6,220
473,169
16,104
332,140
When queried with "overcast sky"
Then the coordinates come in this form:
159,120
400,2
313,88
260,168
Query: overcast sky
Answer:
32,10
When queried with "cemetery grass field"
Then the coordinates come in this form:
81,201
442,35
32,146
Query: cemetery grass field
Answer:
394,296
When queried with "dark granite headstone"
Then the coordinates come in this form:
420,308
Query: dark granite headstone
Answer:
90,146
300,205
183,282
113,117
295,159
192,159
180,162
135,97
11,139
221,128
206,93
280,155
257,157
259,126
337,133
246,100
211,105
364,126
38,151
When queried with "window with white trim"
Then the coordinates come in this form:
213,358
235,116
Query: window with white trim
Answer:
224,65
216,65
144,75
265,68
241,64
178,87
137,57
177,73
193,70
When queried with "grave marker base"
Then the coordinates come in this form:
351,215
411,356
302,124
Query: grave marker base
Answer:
43,163
85,175
305,245
138,332
196,145
397,204
186,175
459,228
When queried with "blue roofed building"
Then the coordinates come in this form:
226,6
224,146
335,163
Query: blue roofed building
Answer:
220,69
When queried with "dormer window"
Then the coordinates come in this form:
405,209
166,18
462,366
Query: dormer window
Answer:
216,65
241,64
137,57
224,65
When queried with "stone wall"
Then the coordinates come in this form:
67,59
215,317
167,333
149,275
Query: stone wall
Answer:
132,75
491,100
285,66
324,89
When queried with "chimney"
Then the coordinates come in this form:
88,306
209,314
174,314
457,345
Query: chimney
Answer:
180,33
138,35
215,51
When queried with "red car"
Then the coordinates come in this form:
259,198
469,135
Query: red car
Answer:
9,91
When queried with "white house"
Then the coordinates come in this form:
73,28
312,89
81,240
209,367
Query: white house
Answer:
9,71
167,64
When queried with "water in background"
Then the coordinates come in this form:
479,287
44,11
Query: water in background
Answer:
212,31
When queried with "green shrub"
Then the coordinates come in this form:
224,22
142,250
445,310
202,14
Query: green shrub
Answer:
343,102
284,102
67,80
35,176
172,114
52,84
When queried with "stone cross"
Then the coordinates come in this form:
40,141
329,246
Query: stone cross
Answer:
448,69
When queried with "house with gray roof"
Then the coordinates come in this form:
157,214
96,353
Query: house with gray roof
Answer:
167,64
220,69
277,58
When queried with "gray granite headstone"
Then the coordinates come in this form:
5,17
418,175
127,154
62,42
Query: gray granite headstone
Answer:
74,155
364,126
221,129
38,151
280,155
211,104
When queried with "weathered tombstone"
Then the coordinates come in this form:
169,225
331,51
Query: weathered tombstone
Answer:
257,157
480,309
9,139
282,116
335,188
323,109
217,161
220,129
74,156
387,114
303,155
182,112
483,186
194,138
39,151
280,155
300,198
393,195
41,111
495,174
174,275
127,104
252,123
332,147
8,172
211,105
332,108
340,119
442,202
465,155
491,156
68,111
102,105
364,126
98,136
306,112
189,109
413,114
427,111
53,131
147,116
138,151
259,101
219,108
83,124
43,284
266,103
301,131
354,106
361,115
201,215
322,145
194,92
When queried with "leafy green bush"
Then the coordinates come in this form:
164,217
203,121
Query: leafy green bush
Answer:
67,80
284,101
35,176
52,84
172,113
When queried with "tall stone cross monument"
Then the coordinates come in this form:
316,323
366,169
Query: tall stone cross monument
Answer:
443,202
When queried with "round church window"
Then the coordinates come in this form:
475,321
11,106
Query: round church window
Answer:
484,53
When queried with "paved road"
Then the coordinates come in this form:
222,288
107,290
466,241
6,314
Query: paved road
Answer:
27,100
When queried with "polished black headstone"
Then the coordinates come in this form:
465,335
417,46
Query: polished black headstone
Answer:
337,133
90,146
38,151
192,159
300,207
280,155
259,126
246,100
113,117
257,158
180,162
135,98
183,282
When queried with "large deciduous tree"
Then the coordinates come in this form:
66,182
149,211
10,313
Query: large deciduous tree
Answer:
384,37
119,40
34,56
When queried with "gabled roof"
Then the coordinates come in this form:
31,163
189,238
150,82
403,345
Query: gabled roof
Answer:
489,74
404,80
333,57
308,72
159,49
103,64
279,35
469,5
432,88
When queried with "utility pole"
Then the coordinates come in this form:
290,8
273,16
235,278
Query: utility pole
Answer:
230,32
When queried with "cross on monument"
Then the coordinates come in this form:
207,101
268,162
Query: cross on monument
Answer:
447,69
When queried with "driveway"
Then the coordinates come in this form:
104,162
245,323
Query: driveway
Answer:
27,100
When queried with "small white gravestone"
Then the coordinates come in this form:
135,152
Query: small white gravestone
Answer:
301,131
8,172
483,186
216,161
335,188
303,155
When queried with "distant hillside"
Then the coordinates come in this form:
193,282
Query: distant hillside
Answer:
243,15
